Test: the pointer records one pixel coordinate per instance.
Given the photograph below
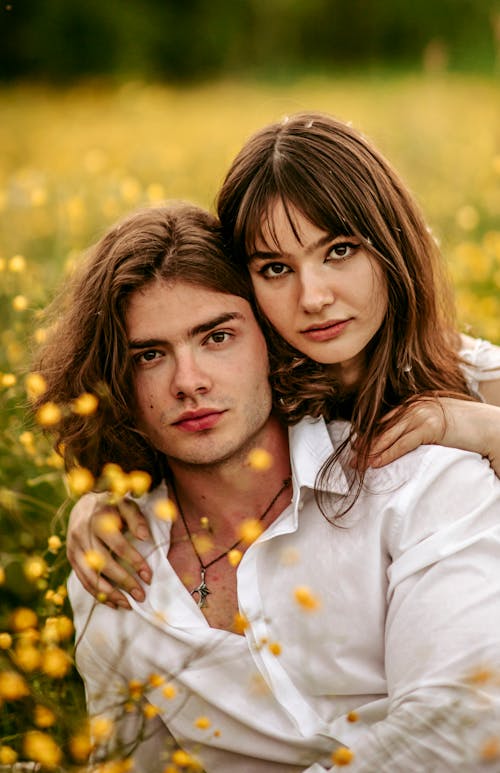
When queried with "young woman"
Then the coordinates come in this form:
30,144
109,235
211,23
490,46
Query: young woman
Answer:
349,276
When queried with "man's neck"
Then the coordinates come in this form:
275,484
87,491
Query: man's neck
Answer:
235,489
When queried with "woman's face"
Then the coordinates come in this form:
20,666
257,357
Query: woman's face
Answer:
326,295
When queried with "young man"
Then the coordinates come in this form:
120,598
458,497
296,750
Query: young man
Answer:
382,635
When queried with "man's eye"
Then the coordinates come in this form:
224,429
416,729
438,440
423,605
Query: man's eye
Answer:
219,337
144,357
272,270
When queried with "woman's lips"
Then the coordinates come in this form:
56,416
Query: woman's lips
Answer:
326,331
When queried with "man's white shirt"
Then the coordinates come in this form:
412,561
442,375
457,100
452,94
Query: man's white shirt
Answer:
405,632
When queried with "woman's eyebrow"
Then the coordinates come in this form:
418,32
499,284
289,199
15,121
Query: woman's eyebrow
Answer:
267,254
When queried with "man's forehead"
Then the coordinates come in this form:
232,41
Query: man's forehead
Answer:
169,309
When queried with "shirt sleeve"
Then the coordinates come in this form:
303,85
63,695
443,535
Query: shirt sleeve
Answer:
442,631
481,361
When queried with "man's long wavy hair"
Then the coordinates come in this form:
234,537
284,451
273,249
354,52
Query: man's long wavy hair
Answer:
331,174
87,348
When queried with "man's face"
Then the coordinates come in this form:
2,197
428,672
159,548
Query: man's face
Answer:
200,372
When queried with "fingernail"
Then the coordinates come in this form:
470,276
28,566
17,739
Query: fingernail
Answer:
145,576
137,594
142,532
123,604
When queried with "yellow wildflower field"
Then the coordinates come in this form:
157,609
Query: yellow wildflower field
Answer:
73,161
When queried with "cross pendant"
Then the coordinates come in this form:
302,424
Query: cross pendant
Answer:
202,591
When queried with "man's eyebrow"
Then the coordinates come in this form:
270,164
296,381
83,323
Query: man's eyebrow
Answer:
267,254
203,327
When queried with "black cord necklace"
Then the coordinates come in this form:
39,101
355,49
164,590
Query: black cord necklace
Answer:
202,589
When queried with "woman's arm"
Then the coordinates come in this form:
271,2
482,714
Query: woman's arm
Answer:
462,424
97,528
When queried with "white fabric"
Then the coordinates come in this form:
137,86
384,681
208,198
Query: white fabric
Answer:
409,589
481,361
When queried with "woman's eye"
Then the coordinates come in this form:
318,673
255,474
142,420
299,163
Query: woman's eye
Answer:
272,270
342,250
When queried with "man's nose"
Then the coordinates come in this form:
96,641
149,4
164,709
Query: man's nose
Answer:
189,378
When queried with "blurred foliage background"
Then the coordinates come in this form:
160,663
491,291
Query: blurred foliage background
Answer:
108,106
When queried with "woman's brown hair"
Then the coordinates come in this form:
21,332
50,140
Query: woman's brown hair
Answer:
335,178
87,349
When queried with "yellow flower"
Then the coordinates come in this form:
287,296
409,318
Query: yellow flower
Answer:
27,440
135,688
12,686
29,635
17,264
156,680
234,557
42,748
274,647
57,629
5,641
353,716
80,480
43,716
259,459
139,482
183,759
40,335
85,404
109,523
34,568
150,710
101,728
240,623
165,510
250,530
490,750
169,691
55,662
202,723
22,618
342,756
27,657
2,575
80,746
20,303
48,414
54,543
35,385
467,217
8,380
7,755
119,483
203,543
305,598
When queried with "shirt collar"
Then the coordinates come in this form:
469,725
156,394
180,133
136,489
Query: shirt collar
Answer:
312,443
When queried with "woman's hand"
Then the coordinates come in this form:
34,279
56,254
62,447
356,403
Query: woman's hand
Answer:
443,421
97,535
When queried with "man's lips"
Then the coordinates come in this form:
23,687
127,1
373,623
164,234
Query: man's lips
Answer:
195,421
324,331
